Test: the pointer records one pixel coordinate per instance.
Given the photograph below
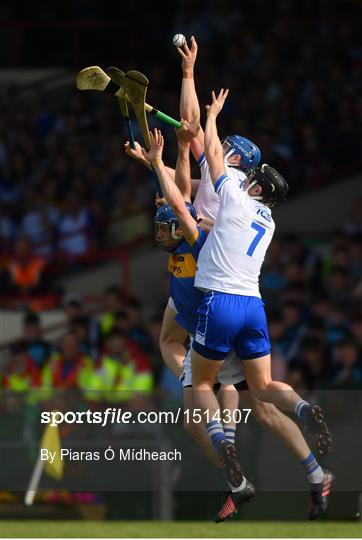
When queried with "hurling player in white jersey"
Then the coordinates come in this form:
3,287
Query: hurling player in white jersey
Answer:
239,153
231,314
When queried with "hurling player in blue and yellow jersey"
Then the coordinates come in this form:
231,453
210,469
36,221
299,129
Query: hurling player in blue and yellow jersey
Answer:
177,232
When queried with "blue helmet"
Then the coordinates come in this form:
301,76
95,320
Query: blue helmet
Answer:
166,216
247,150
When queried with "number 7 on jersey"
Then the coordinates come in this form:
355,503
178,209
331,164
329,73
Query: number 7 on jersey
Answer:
260,231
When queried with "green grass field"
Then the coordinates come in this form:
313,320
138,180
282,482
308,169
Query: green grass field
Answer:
185,529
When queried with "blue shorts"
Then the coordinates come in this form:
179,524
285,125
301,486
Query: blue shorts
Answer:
229,321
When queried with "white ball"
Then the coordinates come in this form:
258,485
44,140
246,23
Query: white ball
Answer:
178,40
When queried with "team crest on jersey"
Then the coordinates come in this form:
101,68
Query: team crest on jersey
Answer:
182,266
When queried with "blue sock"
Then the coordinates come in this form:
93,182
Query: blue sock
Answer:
216,433
314,471
229,433
301,409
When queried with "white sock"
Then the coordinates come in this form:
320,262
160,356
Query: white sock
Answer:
234,489
229,433
314,471
300,408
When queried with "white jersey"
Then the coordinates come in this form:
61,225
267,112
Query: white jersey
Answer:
234,251
206,202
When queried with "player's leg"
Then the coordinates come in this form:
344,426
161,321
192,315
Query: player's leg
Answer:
192,424
197,430
320,480
277,422
253,347
215,332
258,374
231,375
228,399
204,372
172,340
261,385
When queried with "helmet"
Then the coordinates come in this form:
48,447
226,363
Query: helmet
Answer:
248,151
166,216
274,187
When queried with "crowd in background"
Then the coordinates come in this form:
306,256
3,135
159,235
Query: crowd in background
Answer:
313,300
292,68
295,90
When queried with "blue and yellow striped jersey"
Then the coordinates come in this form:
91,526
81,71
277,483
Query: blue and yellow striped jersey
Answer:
182,269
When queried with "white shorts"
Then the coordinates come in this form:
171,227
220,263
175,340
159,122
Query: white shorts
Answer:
231,371
171,305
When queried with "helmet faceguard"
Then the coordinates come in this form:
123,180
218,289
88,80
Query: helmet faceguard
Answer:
167,217
249,153
274,187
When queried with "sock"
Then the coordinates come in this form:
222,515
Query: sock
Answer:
238,488
301,409
314,471
229,433
216,433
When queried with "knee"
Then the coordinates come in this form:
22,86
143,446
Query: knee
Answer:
261,384
167,341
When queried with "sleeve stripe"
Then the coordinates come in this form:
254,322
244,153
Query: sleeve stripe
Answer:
201,160
220,182
193,239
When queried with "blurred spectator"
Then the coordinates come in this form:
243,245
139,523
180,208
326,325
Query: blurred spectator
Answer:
67,368
311,363
21,373
123,371
84,325
272,280
26,272
136,330
294,328
336,323
114,301
39,223
74,237
338,284
73,307
80,327
37,348
26,277
348,364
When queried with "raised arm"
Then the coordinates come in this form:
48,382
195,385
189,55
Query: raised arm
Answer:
136,153
170,190
189,103
213,149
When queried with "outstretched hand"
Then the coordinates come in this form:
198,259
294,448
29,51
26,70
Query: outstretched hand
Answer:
188,55
217,103
136,152
159,201
156,146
